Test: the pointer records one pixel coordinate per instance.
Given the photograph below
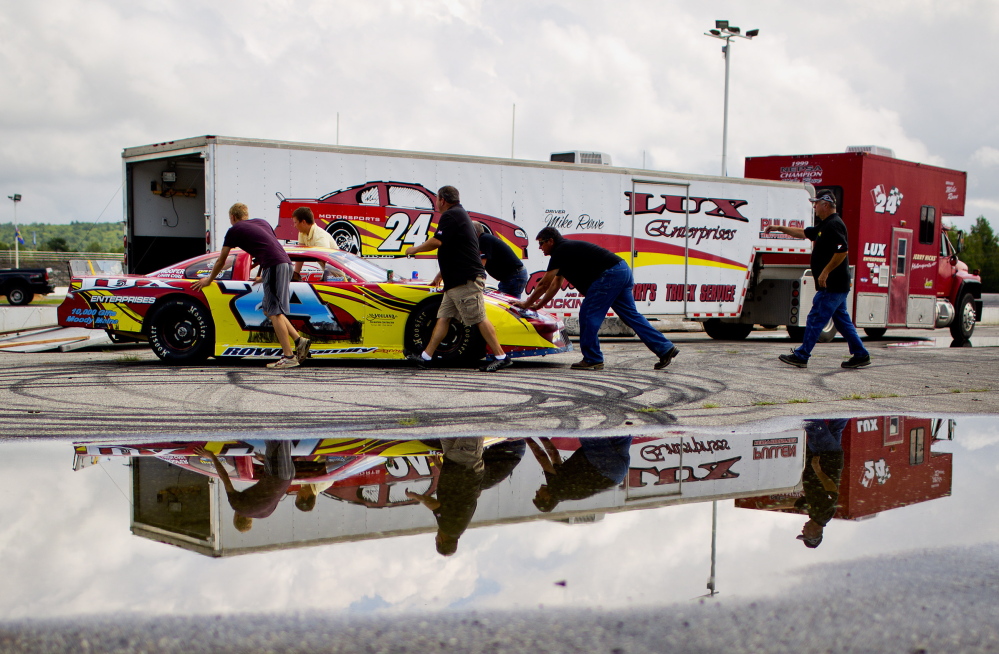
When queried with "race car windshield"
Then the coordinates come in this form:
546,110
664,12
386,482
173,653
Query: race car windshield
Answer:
369,272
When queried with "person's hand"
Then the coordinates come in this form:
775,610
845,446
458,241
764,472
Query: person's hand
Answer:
409,251
257,279
520,304
768,229
201,451
823,278
199,283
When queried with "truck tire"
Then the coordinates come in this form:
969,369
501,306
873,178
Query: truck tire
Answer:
18,295
726,331
963,325
345,236
181,331
875,332
797,334
461,345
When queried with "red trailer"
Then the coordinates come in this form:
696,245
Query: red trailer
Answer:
906,271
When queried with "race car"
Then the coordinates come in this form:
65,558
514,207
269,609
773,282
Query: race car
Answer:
379,219
347,306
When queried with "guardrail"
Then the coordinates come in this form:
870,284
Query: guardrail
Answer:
30,256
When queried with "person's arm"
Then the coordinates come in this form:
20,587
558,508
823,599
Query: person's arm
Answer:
430,244
223,475
297,275
541,456
199,284
431,503
796,232
543,292
834,262
437,279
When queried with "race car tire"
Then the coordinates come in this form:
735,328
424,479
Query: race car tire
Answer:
462,344
345,236
181,331
726,331
875,333
963,325
18,295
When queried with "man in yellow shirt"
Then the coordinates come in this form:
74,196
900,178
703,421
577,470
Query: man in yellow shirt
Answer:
310,235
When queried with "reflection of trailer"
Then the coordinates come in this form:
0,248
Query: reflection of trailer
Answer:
889,463
907,274
691,239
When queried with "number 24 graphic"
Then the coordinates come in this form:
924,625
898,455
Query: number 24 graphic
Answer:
415,234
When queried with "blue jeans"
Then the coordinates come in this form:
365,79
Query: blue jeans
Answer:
613,289
515,284
828,305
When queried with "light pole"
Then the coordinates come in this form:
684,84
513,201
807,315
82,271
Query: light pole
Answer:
726,33
16,198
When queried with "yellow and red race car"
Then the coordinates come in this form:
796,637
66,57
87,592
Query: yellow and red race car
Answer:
347,306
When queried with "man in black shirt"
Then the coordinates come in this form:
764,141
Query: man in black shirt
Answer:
501,262
831,270
606,282
463,277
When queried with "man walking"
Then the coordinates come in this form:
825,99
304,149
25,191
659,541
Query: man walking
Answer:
463,276
256,237
606,282
831,270
501,262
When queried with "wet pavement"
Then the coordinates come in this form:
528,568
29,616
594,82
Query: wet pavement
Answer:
565,543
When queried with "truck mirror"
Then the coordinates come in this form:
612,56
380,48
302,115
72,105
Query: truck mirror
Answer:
960,241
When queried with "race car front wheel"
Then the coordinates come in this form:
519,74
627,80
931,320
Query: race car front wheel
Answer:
462,344
181,331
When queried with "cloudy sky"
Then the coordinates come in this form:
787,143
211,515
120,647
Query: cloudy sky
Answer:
634,78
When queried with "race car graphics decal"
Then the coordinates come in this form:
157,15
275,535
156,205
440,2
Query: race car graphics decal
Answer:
271,352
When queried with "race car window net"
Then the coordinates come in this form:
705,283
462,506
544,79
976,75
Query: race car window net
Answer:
368,195
402,196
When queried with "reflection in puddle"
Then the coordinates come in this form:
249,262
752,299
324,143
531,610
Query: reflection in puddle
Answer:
359,524
941,342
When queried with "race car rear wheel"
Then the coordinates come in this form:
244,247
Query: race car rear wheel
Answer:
345,236
18,295
462,344
181,331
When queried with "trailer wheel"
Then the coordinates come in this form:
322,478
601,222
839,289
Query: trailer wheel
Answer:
875,332
18,295
345,236
462,344
726,331
181,331
964,321
797,334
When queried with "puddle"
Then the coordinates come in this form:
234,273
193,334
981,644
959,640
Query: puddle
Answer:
355,525
941,341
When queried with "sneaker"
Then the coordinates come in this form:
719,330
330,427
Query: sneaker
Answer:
587,365
857,361
302,349
793,360
497,364
421,363
284,362
665,359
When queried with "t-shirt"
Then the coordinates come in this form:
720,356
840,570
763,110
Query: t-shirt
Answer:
501,262
317,238
830,238
580,262
260,499
256,236
458,255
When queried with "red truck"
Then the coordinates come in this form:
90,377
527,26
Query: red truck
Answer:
906,271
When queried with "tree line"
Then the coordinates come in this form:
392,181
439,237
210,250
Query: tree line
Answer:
981,253
74,237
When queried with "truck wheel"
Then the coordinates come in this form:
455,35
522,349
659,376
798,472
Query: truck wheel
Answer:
345,236
797,334
462,344
18,295
726,331
964,320
875,332
181,331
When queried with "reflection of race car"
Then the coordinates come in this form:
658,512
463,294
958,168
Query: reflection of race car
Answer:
384,218
346,306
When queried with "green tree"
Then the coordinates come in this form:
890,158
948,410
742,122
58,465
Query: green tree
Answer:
57,244
981,253
94,246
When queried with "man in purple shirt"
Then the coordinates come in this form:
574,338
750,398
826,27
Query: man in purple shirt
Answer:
256,237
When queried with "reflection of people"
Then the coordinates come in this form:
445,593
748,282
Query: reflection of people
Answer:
823,470
255,235
458,489
831,270
598,464
260,499
606,281
464,279
501,262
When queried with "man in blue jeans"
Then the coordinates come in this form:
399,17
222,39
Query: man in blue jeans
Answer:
831,270
606,282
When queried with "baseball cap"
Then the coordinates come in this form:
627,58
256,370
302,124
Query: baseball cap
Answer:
824,196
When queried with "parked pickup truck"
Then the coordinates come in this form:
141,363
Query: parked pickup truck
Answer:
20,285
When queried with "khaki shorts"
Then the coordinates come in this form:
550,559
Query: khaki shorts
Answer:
465,302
